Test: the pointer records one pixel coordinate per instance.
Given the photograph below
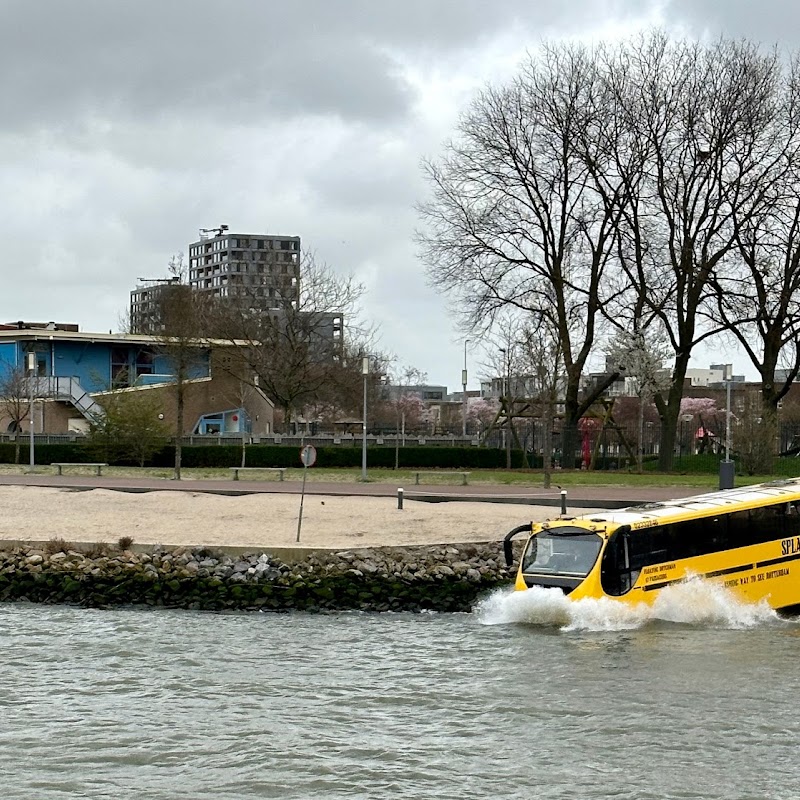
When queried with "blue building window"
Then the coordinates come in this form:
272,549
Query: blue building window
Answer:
235,420
120,368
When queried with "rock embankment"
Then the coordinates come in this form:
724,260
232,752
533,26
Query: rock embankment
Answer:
438,578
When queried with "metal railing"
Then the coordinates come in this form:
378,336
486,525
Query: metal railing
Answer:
68,390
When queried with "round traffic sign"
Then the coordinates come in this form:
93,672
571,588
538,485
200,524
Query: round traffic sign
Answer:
308,455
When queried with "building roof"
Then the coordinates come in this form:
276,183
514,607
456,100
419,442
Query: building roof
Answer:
33,334
233,234
21,325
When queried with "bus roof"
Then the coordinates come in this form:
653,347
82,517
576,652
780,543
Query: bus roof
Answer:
703,505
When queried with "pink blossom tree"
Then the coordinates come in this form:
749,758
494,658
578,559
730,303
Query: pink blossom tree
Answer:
703,412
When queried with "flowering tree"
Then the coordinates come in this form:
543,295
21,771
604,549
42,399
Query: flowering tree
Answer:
481,412
412,410
702,411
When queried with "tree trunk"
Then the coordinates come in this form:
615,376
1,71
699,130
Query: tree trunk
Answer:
769,428
179,387
669,413
574,409
569,431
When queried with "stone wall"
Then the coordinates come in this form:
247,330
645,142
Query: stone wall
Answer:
437,578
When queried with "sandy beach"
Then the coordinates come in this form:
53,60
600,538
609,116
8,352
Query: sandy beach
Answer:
260,520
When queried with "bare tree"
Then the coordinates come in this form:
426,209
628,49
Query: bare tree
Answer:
613,181
506,359
515,220
541,355
758,294
707,124
15,402
180,321
296,351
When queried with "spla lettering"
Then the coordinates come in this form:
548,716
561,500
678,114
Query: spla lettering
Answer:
790,546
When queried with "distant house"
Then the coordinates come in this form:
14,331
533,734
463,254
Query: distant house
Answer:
75,371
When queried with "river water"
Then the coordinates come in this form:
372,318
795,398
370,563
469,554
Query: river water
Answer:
531,696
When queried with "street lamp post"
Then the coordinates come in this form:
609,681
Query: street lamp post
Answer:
684,418
728,421
365,373
727,467
31,373
509,413
464,387
506,379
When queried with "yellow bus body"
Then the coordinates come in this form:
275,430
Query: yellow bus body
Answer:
766,570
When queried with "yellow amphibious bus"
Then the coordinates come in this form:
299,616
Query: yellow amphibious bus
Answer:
747,539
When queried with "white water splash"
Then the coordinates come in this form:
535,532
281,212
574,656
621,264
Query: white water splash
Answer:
692,602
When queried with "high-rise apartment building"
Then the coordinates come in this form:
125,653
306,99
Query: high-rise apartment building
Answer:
146,302
264,268
261,270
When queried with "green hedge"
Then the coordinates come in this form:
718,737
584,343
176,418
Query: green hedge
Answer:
48,453
258,455
413,457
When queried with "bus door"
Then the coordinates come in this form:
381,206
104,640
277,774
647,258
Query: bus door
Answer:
617,576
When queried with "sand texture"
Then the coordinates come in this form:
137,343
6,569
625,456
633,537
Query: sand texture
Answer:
258,520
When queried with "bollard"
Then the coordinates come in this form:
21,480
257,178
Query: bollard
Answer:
563,501
399,499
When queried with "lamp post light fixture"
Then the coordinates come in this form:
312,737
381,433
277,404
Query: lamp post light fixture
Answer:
365,373
464,387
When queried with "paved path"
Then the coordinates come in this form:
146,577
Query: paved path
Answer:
577,496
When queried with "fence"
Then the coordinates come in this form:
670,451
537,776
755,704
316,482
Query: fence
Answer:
619,443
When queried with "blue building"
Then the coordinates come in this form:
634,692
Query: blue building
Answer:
74,370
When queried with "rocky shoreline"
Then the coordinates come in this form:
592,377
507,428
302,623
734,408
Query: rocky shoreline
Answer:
435,577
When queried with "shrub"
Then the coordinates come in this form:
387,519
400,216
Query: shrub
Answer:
57,545
130,431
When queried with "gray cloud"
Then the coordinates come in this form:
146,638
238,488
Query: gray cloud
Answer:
240,61
237,62
768,22
127,126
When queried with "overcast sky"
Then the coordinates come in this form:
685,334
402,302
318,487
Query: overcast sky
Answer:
127,126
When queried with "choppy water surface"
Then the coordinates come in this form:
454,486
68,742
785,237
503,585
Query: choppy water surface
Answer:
530,697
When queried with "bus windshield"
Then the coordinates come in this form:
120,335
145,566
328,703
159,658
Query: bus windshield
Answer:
562,551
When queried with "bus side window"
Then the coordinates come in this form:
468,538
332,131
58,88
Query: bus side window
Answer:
769,523
739,529
791,522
